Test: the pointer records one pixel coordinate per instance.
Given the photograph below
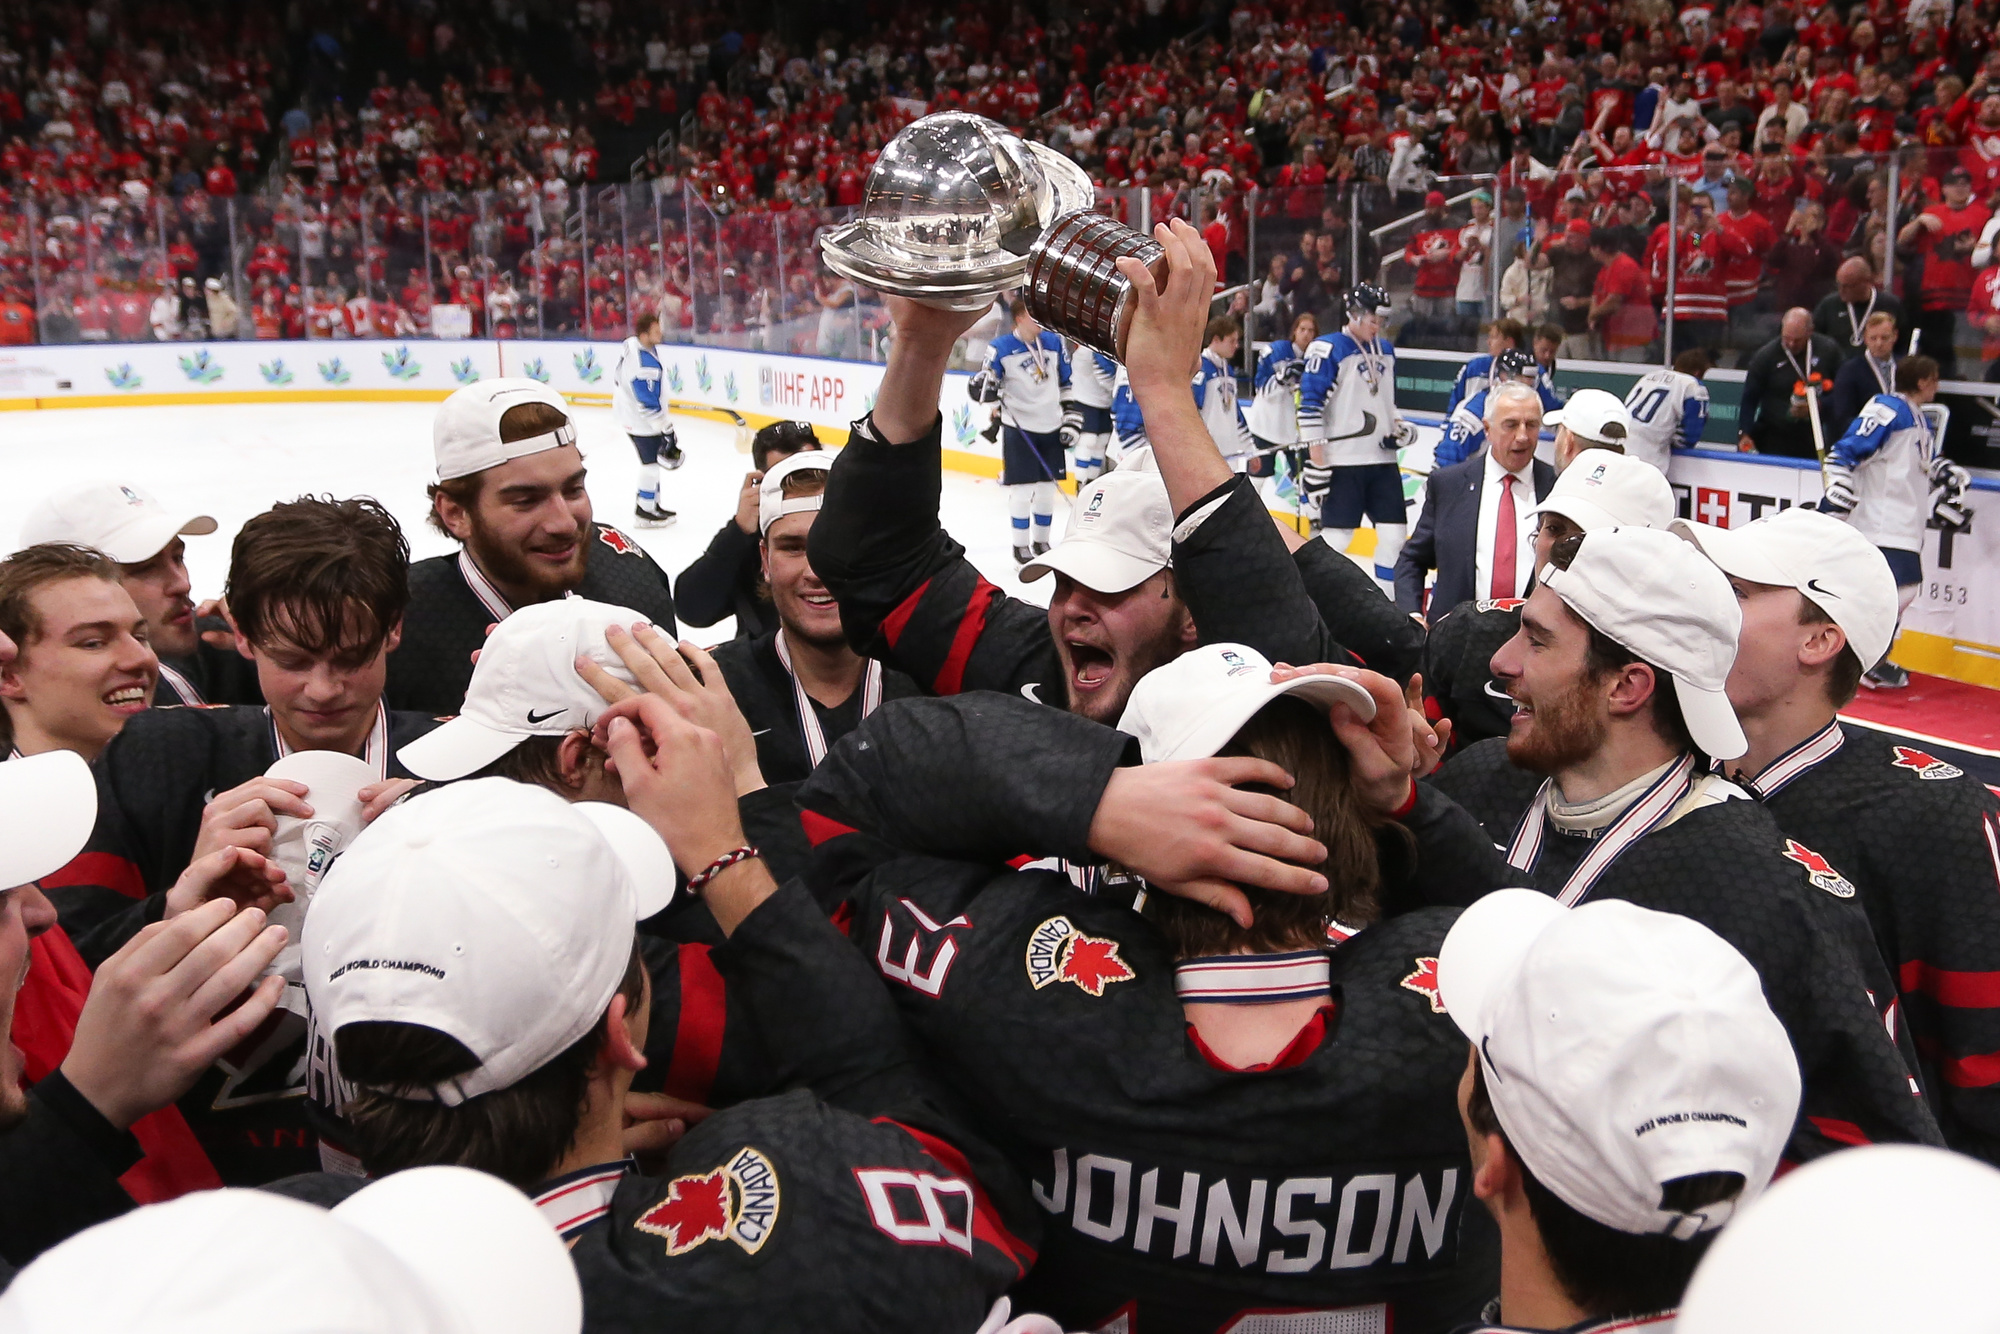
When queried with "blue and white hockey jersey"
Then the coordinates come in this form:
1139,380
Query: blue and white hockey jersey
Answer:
1221,411
1476,376
1028,380
1274,408
1126,422
1887,451
1347,399
635,391
1669,411
1092,377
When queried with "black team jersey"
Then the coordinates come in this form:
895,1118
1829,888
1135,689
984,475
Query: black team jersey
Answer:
1358,614
723,581
152,782
1728,866
1921,841
209,675
909,598
771,700
857,1201
1179,1194
449,616
1458,678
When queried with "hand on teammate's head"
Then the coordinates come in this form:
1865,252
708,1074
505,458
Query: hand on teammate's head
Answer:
676,776
1385,753
687,678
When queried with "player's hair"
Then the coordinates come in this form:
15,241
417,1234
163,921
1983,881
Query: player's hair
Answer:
1695,361
1877,320
1550,333
1222,326
1603,1271
783,439
518,1133
26,573
1606,656
1293,735
645,322
1511,389
1913,371
1843,676
517,423
536,761
1510,329
329,575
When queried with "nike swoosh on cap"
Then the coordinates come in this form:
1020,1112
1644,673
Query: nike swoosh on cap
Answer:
1813,584
534,717
1028,692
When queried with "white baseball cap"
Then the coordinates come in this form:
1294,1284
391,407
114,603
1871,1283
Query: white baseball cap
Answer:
1623,1048
493,911
430,1250
48,803
127,523
1120,534
773,504
1659,597
1600,489
1189,708
1828,561
306,848
1594,415
466,433
1888,1236
525,684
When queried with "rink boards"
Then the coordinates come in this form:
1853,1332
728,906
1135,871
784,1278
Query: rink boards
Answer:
1952,630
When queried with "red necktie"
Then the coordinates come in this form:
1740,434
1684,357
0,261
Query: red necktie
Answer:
1506,540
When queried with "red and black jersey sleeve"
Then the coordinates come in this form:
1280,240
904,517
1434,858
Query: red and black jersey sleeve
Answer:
907,594
1358,614
1458,676
1492,789
1242,586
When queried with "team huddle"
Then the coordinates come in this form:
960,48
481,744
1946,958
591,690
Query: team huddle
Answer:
1221,948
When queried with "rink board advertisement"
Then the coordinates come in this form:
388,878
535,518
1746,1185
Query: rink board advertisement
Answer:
1953,629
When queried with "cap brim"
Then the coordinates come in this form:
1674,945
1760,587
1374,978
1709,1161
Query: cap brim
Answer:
1098,566
460,747
332,779
142,541
1581,512
642,851
1481,955
477,1244
50,805
1234,708
1711,721
1734,551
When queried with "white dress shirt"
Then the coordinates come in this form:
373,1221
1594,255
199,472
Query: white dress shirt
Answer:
1489,522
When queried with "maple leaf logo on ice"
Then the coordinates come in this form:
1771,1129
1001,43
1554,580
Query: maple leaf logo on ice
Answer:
1819,870
696,1210
1058,952
1425,983
1927,766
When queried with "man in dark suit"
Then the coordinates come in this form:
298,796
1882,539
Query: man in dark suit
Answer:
1475,530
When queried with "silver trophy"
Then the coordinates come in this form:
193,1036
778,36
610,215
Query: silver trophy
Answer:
959,209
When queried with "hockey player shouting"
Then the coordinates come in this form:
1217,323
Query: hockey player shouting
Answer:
1027,373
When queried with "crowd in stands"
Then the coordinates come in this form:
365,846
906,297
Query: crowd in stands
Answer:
342,178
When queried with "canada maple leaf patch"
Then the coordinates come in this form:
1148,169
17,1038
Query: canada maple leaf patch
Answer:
737,1201
616,540
1926,766
1819,870
1058,952
1425,983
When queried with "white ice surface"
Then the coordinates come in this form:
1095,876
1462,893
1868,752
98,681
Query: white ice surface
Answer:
236,460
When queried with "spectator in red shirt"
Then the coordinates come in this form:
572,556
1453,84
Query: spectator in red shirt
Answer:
1745,270
1944,234
1621,302
1433,253
220,180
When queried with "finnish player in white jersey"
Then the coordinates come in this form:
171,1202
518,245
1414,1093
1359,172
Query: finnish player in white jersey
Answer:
1887,476
1027,373
1669,410
641,412
1128,424
1215,391
1348,422
1274,405
1093,377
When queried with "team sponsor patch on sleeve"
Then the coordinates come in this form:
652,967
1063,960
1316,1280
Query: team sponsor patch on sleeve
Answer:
1058,952
1425,983
737,1202
1819,870
1926,766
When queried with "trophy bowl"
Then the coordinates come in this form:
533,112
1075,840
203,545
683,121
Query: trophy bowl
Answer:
951,210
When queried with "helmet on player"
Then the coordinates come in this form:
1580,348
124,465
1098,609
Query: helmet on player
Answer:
1368,299
1514,364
